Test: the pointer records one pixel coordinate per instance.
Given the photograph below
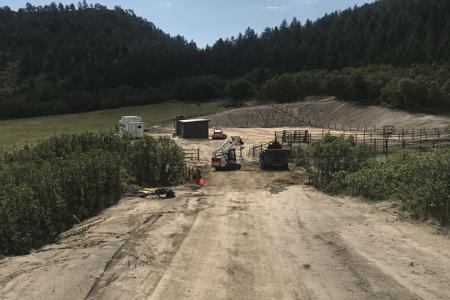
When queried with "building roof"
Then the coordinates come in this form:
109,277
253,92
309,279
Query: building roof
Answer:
194,120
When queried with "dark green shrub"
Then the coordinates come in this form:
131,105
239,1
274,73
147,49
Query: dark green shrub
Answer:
199,88
333,155
238,90
419,179
48,187
259,76
300,155
155,162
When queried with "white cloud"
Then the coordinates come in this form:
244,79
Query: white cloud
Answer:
276,7
310,2
168,4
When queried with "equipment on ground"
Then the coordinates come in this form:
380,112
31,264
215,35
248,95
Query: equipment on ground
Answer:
274,157
131,126
224,158
162,193
218,133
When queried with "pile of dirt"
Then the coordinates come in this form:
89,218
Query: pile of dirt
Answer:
324,112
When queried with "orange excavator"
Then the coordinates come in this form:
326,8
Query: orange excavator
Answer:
218,133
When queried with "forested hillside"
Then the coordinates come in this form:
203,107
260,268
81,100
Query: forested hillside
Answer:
397,32
60,59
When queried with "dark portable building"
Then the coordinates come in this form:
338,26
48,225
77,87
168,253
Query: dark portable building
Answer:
194,128
177,125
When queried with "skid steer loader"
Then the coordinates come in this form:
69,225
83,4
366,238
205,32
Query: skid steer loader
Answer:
224,158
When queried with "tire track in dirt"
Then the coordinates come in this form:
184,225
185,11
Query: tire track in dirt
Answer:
107,276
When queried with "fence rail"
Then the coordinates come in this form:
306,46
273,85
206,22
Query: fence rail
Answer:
381,143
256,149
360,128
191,154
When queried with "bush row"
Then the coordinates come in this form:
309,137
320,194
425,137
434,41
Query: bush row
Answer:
420,180
47,188
421,88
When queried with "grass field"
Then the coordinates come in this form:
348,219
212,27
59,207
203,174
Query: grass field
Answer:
22,131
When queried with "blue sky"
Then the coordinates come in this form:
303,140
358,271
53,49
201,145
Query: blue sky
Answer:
205,21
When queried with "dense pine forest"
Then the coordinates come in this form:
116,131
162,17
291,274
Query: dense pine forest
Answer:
72,58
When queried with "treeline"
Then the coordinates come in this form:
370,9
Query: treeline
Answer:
418,88
397,32
424,88
62,64
49,187
419,180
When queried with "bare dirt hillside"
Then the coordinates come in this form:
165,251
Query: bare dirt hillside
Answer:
247,235
324,112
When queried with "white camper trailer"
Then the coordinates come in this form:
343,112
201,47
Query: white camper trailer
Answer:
132,126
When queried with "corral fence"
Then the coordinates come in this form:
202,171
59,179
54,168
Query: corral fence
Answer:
256,149
191,154
383,142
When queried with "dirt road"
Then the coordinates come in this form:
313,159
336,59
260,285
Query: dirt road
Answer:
248,235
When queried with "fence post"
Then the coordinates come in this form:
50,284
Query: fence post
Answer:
387,142
198,154
420,142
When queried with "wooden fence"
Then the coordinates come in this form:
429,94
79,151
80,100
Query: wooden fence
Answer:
256,150
384,143
191,154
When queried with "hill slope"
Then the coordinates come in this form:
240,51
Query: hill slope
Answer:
72,59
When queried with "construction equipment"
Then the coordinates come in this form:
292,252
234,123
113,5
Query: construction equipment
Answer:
274,157
218,133
224,158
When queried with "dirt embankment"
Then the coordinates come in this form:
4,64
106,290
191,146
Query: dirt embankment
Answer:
324,112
